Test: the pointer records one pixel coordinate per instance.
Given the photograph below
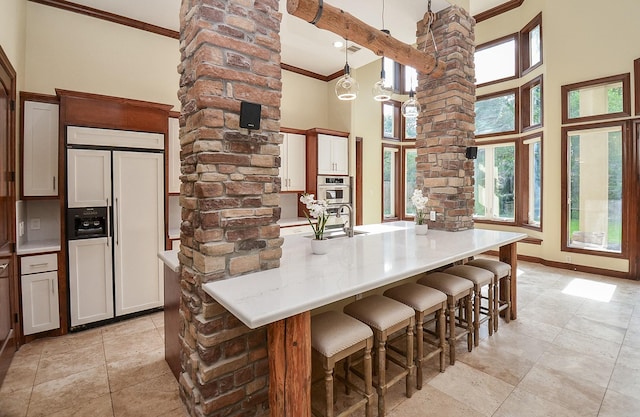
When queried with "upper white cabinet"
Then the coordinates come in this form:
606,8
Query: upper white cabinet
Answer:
293,162
174,156
333,155
88,177
40,149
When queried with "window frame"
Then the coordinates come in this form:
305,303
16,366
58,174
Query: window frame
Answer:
626,98
627,160
398,181
525,64
516,63
398,126
523,186
516,122
636,78
525,109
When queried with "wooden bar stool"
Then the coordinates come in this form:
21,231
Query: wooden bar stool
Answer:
336,336
459,292
501,286
480,278
425,301
385,317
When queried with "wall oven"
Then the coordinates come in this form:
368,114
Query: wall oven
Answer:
335,190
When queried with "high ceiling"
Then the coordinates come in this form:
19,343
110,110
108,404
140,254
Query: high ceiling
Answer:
303,45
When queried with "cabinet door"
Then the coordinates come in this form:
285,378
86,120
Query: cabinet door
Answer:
138,190
88,178
40,302
40,157
325,161
340,155
90,280
296,162
174,156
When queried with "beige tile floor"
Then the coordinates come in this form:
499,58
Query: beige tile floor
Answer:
567,355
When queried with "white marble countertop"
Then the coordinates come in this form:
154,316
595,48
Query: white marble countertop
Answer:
38,246
388,253
170,259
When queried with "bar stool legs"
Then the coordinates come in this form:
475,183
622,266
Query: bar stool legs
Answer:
501,287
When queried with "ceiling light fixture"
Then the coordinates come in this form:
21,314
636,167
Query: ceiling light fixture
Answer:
381,90
338,44
347,87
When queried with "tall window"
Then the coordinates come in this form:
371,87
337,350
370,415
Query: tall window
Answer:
495,182
594,174
409,180
390,177
532,189
531,44
531,111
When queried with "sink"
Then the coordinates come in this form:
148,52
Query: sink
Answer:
334,234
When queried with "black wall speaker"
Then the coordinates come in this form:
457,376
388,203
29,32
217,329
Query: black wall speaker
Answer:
250,115
472,152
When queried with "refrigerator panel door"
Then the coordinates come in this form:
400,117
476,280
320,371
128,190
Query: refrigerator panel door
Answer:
88,177
138,189
90,280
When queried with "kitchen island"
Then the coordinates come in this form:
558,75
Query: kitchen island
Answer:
282,298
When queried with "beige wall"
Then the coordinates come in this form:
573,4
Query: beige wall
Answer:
76,52
304,102
582,40
12,34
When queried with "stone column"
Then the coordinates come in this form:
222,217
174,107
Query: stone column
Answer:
230,52
446,124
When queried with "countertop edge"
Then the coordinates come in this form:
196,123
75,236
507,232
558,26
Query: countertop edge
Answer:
170,259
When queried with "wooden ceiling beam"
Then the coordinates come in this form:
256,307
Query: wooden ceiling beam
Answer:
335,20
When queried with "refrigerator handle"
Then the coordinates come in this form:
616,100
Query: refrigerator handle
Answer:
116,218
108,222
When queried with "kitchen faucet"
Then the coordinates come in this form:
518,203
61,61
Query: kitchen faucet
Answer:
347,230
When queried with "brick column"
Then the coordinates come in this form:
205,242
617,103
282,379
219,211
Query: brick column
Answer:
446,124
230,52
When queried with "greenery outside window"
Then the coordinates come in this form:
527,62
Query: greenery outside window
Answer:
531,45
497,113
390,182
594,174
391,119
495,182
497,60
409,171
531,111
530,161
604,98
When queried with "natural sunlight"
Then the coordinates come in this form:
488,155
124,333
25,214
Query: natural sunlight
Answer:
592,290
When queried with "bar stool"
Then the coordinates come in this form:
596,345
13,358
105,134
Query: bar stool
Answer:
459,292
480,278
501,286
425,301
385,317
336,336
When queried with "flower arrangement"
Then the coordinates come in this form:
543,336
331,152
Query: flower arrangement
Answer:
318,210
420,203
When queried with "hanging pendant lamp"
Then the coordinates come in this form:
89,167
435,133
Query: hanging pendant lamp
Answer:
381,91
347,87
411,107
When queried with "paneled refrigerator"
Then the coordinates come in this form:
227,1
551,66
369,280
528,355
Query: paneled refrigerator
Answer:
115,222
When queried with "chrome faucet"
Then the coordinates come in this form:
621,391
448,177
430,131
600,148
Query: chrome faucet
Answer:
348,230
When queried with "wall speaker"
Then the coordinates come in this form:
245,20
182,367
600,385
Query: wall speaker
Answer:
471,152
250,115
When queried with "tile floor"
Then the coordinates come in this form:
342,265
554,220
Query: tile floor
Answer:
574,351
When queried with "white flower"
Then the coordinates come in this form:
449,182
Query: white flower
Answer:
420,203
318,210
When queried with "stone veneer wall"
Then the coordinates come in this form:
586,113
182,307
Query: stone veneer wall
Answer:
446,124
230,52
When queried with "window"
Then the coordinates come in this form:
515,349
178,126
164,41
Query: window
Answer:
636,77
531,111
497,60
410,79
495,182
593,171
496,113
390,181
402,78
531,45
391,119
530,162
604,98
409,180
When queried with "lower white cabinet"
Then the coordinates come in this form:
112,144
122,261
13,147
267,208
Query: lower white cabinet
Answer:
39,282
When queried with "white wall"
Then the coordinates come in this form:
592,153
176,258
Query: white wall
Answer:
12,34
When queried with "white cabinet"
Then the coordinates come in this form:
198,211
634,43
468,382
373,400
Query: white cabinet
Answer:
40,149
88,177
293,158
90,280
138,236
333,155
174,156
39,282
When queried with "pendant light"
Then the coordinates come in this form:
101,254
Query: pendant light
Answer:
347,87
381,91
411,107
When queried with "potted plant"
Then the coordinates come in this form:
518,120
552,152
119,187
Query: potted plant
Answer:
316,209
420,203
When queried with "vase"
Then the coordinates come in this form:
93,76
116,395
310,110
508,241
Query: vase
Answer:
320,246
421,229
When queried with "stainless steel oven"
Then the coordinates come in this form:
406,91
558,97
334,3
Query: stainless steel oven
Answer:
335,190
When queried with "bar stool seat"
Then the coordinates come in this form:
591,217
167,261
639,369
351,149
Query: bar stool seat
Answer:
385,317
480,278
459,292
336,336
424,301
501,286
